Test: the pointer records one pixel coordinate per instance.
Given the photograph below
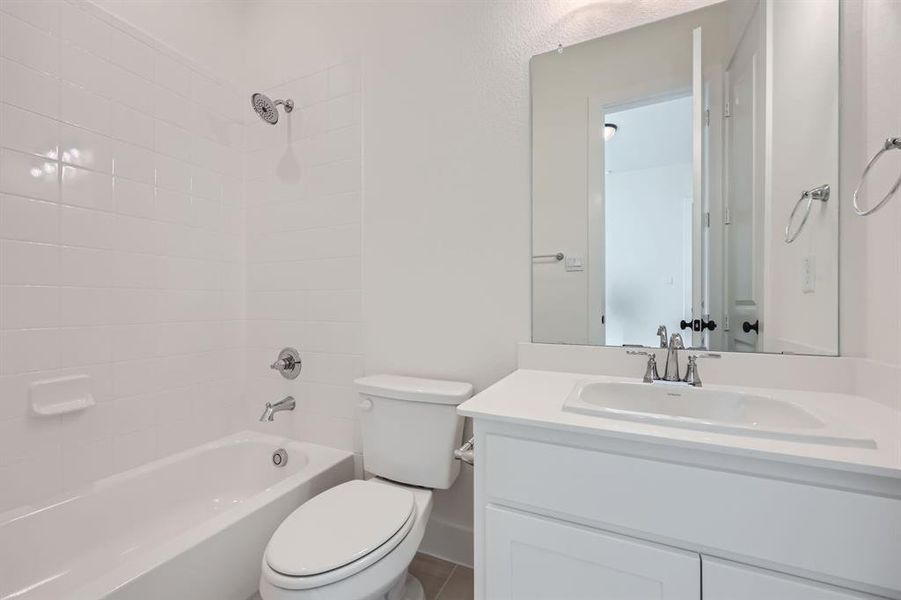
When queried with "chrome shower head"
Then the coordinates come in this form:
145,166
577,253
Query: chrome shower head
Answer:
268,109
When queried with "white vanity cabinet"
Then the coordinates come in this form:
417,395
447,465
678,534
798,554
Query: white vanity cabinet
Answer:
535,558
570,516
724,580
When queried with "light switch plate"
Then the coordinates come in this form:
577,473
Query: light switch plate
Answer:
809,275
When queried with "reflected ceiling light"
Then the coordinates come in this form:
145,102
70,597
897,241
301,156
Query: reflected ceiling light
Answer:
609,130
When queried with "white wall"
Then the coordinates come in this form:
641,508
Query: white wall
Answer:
120,247
871,246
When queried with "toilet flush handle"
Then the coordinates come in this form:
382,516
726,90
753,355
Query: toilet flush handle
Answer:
365,405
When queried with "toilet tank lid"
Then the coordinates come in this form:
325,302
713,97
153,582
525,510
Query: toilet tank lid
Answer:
414,389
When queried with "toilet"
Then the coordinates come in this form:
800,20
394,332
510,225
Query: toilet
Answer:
356,540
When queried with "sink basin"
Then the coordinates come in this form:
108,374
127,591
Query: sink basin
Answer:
680,405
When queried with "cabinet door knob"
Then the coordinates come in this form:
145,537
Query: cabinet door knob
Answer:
748,327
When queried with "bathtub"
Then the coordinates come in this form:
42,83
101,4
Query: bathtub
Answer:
191,526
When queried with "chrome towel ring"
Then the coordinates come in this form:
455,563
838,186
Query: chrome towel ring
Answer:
820,193
890,144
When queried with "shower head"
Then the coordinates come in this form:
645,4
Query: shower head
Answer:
268,109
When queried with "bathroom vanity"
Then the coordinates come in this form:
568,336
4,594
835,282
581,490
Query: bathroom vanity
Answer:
574,504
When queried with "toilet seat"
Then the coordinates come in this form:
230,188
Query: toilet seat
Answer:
339,533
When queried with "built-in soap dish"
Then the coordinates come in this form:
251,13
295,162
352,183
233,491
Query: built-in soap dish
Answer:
50,397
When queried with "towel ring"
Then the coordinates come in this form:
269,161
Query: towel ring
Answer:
818,193
890,144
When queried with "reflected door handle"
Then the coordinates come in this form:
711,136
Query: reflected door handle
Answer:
748,327
698,325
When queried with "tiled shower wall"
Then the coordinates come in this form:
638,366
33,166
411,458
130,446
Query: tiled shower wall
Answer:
303,202
122,246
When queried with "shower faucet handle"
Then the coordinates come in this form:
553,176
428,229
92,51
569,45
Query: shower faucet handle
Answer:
288,363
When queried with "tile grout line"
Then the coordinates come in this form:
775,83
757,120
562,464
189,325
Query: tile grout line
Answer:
446,581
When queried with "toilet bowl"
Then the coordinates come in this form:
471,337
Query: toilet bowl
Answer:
356,540
368,565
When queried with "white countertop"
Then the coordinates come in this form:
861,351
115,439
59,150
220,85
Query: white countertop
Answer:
531,397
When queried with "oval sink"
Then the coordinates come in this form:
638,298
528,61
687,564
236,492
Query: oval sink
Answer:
707,409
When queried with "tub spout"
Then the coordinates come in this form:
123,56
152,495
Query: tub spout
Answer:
286,403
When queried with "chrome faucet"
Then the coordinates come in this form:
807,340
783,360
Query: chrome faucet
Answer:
286,403
671,371
661,331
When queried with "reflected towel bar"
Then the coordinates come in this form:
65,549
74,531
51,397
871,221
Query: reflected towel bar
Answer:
558,256
820,193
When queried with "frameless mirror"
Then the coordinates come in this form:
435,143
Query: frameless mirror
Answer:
684,175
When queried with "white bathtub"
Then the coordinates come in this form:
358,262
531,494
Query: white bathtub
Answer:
192,526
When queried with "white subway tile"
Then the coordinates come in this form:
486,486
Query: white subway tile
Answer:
81,307
28,306
84,148
173,207
135,342
84,108
43,15
206,184
343,79
132,198
28,89
133,270
132,90
28,220
86,267
86,227
81,346
88,189
86,70
28,350
172,174
28,132
172,74
130,125
29,263
26,175
172,141
132,54
84,30
132,307
26,44
133,162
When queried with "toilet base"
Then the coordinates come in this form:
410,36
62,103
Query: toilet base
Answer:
413,589
406,588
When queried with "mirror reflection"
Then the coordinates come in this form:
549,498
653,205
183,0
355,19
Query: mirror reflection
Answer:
682,175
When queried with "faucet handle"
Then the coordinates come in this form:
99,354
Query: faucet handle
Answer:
651,374
691,370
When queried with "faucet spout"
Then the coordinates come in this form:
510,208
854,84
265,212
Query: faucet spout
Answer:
671,372
286,403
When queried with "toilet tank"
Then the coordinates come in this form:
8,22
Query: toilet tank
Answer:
410,428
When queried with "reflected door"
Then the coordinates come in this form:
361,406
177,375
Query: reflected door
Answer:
743,234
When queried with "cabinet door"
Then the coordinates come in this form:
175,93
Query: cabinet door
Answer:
724,580
532,558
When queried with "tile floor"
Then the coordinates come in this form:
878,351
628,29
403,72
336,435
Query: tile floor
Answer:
441,580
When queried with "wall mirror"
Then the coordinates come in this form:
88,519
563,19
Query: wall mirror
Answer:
685,175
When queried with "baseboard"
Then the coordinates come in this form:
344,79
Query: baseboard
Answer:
448,541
